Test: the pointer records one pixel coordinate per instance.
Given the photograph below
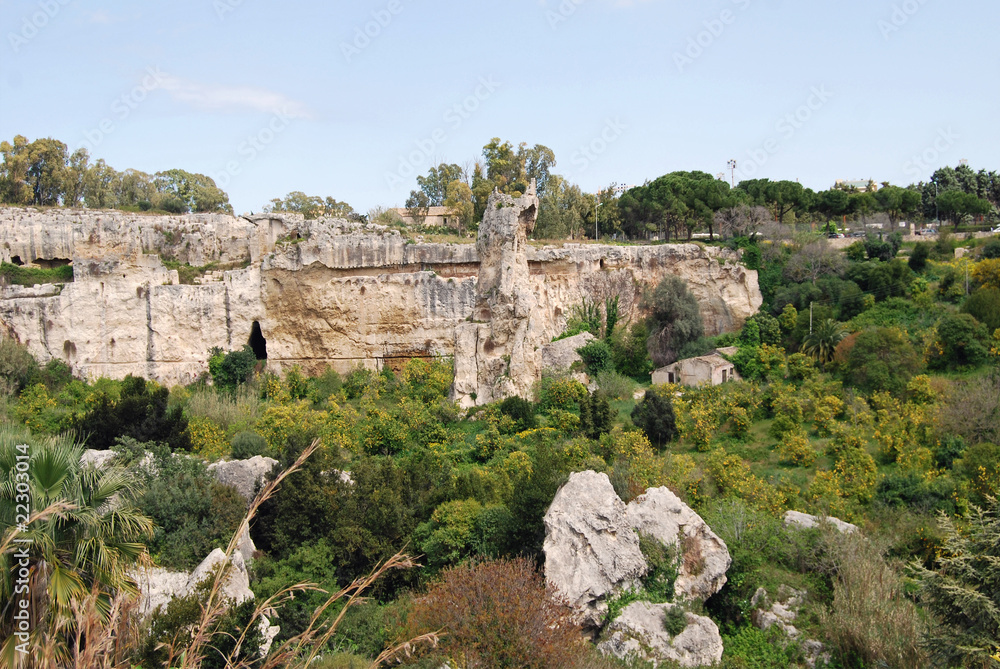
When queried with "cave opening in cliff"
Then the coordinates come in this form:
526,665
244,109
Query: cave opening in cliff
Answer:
257,342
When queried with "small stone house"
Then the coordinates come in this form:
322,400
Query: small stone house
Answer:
436,216
705,369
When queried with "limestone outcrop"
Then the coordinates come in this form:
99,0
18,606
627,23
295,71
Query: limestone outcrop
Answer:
704,556
496,354
244,475
592,555
327,292
640,633
560,355
805,521
591,551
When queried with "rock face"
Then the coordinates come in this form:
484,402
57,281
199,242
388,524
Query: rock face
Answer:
639,632
244,475
560,355
327,292
806,521
590,549
704,556
592,554
495,355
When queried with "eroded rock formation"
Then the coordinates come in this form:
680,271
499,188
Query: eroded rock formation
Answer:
592,555
325,292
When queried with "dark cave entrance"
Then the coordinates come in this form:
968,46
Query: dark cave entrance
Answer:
257,342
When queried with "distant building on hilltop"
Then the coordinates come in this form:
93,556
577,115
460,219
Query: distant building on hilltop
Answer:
436,217
862,186
712,369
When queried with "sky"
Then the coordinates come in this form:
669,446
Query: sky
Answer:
354,100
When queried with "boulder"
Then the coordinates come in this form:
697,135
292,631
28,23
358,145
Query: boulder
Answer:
640,633
591,551
805,521
244,475
781,612
560,355
98,459
704,557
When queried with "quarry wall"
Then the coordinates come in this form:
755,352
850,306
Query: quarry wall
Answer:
325,292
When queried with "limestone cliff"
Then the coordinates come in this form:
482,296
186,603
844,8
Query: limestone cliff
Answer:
323,292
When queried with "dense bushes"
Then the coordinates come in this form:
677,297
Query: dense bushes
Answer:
655,415
497,614
140,412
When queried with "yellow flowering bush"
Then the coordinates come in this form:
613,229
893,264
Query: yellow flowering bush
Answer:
794,448
280,421
35,409
826,411
733,476
208,439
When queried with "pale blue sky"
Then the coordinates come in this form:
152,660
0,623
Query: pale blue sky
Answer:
270,97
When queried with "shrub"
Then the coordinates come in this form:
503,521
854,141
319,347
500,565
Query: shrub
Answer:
980,466
991,249
961,342
141,412
794,448
971,409
751,648
628,350
207,439
984,306
654,414
193,512
427,380
918,259
595,415
871,622
246,445
497,614
882,358
17,366
231,369
562,394
596,356
616,386
964,591
521,411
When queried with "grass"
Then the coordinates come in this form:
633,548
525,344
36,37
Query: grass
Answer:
186,273
29,276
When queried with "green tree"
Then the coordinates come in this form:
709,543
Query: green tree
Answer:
984,306
898,202
963,591
47,160
460,205
231,369
310,206
434,186
196,192
596,417
14,188
882,358
962,342
654,413
822,341
956,205
92,544
675,320
100,186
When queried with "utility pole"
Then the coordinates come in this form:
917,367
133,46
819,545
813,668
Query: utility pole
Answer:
732,173
810,318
